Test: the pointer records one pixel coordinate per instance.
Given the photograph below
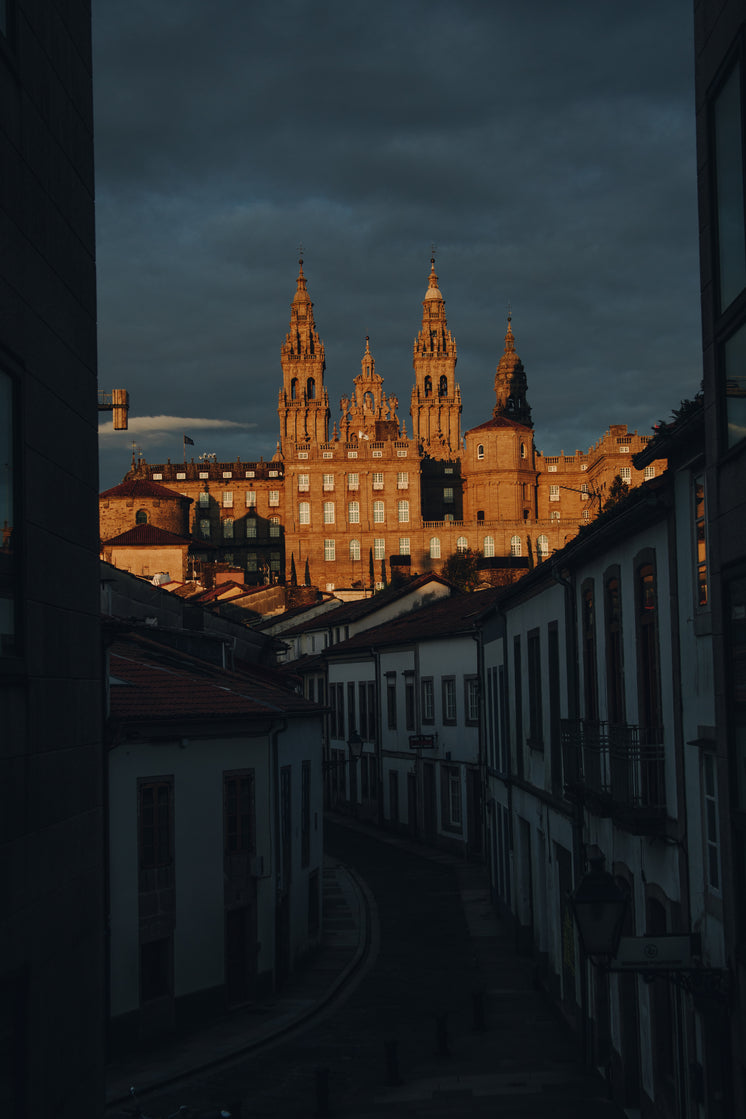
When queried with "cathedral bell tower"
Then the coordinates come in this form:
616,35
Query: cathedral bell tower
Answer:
436,398
370,414
511,385
304,401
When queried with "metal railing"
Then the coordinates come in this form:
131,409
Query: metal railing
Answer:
619,762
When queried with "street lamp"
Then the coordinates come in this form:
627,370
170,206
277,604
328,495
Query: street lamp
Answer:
599,908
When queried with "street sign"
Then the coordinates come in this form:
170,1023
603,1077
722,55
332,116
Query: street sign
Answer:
421,741
648,953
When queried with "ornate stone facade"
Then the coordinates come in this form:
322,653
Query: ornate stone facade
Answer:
368,499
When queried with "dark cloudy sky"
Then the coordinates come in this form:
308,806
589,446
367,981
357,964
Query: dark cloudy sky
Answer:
545,147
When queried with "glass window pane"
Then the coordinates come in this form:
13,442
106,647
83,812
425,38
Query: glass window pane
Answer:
729,190
735,386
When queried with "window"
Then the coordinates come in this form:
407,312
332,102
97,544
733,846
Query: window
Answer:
362,707
204,529
302,454
588,632
274,497
518,701
409,708
304,483
274,562
648,665
462,544
379,548
393,796
488,546
700,531
391,699
328,482
480,451
228,528
554,493
434,547
328,512
711,821
250,499
249,474
252,562
448,495
353,481
552,468
649,473
141,517
523,450
355,550
274,526
351,723
735,386
471,699
304,513
451,798
542,546
352,454
554,516
204,499
238,812
378,514
427,700
449,699
404,545
626,474
535,713
377,481
515,545
180,476
227,499
730,228
251,528
329,551
402,480
157,477
353,512
155,825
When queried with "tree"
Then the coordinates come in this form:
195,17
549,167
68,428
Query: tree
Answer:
617,491
462,569
383,571
307,579
293,573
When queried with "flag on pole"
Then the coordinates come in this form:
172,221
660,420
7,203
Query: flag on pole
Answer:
188,442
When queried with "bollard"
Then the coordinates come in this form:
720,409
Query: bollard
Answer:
392,1063
322,1093
477,1006
441,1035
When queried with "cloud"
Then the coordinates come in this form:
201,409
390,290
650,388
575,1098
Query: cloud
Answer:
157,427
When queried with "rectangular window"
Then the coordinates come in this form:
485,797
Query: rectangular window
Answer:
329,550
328,482
228,528
428,712
304,513
711,821
274,497
250,498
377,481
649,473
379,548
404,545
378,513
250,528
471,699
535,713
449,699
451,798
355,550
448,495
735,386
626,474
353,481
274,526
391,700
402,480
8,563
409,707
204,529
700,527
227,499
588,630
351,724
393,796
155,823
304,482
403,511
518,701
252,562
362,707
614,648
729,196
352,454
353,512
239,828
204,500
328,512
554,493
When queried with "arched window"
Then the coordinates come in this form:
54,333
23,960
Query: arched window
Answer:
488,546
515,545
141,517
294,388
443,386
354,549
542,546
434,547
311,388
480,450
462,544
523,450
428,386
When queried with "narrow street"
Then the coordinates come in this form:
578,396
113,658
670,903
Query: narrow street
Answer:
435,944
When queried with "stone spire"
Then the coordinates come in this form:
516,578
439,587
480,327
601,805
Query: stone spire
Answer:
304,401
436,398
511,385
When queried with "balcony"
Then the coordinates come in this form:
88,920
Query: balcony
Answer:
617,770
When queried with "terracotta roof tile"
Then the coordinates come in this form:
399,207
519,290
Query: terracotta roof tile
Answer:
144,489
147,535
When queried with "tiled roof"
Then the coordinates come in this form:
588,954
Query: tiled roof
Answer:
153,683
499,421
147,535
144,489
351,611
444,618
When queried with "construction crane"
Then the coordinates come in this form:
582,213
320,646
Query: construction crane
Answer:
117,402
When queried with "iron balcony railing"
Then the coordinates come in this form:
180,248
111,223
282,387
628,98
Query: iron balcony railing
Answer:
618,763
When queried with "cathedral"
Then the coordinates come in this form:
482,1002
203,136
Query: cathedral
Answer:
348,509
